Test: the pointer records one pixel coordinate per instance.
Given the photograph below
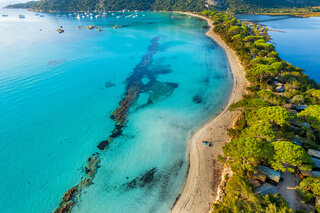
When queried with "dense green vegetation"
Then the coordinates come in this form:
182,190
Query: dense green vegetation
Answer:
309,188
312,115
90,5
266,130
114,5
179,5
270,6
241,198
295,7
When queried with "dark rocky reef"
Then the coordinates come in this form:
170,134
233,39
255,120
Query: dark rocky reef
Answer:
197,99
142,180
69,198
109,84
158,90
134,86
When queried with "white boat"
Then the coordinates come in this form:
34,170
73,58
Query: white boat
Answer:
78,16
21,16
83,16
118,16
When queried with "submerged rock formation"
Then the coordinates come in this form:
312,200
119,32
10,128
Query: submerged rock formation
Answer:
143,180
134,86
70,197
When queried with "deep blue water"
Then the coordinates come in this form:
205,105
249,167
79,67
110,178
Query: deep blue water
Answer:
57,92
299,43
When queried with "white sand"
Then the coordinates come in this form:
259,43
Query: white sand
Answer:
204,174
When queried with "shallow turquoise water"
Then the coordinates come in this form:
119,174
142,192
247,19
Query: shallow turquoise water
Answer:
55,108
299,43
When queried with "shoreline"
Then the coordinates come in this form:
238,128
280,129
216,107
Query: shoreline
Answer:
204,174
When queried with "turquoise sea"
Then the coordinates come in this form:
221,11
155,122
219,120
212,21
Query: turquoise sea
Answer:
58,91
299,41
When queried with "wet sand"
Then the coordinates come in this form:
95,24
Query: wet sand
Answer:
204,175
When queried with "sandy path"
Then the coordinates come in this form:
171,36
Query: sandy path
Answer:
287,189
204,174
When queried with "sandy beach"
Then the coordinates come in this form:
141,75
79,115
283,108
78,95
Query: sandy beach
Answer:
204,175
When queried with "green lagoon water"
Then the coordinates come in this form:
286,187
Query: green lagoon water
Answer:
57,92
299,41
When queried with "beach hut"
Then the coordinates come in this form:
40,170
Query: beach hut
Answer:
300,107
303,173
259,176
315,173
314,153
297,141
266,188
293,111
299,124
279,86
271,174
254,182
305,124
287,106
280,89
257,179
277,83
316,162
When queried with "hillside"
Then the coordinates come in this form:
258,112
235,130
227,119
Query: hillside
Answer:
113,5
235,6
255,6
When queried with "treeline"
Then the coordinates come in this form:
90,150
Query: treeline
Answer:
88,5
267,129
262,6
113,5
232,6
179,5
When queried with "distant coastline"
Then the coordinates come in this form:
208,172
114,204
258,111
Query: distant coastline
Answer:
204,175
